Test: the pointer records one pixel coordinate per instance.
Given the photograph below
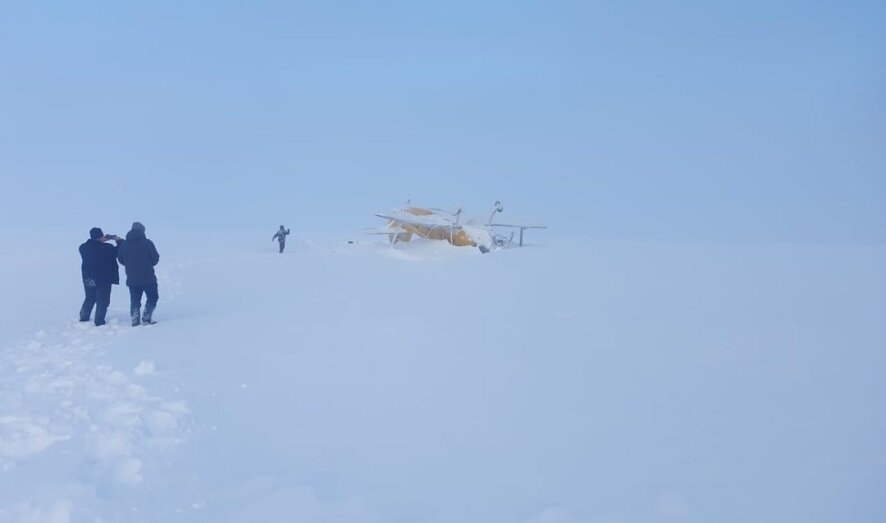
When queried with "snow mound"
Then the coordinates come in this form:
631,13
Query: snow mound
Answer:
62,400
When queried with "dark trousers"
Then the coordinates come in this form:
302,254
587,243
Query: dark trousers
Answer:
282,246
98,296
135,302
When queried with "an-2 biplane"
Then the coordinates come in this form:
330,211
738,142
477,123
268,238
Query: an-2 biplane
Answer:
436,224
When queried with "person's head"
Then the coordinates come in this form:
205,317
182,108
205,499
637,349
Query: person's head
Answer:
96,234
137,226
282,227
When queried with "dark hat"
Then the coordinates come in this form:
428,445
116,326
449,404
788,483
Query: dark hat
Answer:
137,226
95,233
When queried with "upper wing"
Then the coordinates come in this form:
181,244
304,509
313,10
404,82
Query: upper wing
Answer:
518,226
431,220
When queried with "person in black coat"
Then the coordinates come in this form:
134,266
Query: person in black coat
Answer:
280,236
99,271
139,255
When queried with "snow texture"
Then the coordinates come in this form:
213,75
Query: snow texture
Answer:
574,381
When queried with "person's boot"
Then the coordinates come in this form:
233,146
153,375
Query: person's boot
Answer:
146,317
135,314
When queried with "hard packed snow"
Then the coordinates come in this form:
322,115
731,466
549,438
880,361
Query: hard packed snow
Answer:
567,381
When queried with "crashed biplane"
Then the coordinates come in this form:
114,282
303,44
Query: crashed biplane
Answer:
437,224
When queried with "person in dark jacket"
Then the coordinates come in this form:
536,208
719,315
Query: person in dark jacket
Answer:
99,271
139,255
280,236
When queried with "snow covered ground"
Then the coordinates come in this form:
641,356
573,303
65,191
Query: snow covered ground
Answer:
569,381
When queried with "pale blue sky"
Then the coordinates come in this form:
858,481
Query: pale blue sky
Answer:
755,121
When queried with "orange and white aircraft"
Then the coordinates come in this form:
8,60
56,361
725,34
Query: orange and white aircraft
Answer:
436,224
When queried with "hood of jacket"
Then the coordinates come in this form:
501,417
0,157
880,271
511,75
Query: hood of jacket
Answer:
135,234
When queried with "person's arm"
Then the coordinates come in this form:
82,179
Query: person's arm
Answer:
121,253
155,256
84,269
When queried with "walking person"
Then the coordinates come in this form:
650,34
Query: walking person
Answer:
139,255
280,236
99,271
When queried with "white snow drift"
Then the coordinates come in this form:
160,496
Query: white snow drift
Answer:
582,381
